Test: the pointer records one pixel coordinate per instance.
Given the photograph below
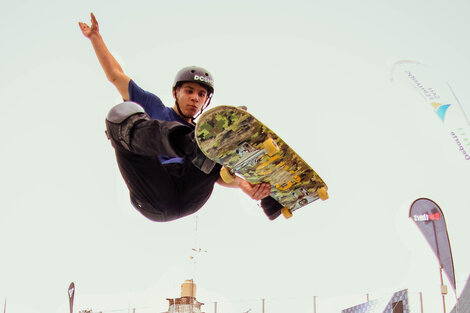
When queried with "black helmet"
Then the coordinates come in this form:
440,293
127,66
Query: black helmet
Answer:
197,75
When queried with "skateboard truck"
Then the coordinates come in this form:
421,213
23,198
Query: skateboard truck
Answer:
304,199
249,156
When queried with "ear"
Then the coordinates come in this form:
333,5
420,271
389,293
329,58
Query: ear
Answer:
174,93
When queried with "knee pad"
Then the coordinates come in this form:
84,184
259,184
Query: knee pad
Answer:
123,110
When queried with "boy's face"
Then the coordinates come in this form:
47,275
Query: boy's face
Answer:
191,97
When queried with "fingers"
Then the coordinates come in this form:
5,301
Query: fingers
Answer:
83,27
261,191
93,18
265,191
88,31
94,23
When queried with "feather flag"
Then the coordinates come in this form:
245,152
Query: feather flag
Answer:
71,294
428,216
440,97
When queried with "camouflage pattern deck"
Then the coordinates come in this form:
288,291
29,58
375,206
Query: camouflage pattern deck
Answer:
234,138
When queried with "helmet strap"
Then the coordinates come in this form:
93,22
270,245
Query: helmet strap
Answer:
203,108
181,112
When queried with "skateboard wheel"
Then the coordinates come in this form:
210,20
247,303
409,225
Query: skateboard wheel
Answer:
226,175
322,193
286,212
270,146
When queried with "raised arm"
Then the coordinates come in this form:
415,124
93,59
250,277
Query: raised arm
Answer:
111,67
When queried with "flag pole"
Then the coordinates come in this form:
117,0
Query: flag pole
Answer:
443,290
438,252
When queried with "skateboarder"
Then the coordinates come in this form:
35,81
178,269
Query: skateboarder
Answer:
168,177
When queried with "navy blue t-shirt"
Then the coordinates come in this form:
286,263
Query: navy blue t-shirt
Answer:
155,108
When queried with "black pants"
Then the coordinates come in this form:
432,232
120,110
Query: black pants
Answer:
161,192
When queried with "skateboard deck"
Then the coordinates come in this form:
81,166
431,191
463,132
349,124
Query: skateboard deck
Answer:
235,139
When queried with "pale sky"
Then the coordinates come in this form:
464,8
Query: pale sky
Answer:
315,72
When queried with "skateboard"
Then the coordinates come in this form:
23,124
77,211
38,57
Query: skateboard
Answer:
243,145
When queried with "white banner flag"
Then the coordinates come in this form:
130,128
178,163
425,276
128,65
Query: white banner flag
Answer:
440,97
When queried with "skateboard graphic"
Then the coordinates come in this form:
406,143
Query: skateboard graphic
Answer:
235,139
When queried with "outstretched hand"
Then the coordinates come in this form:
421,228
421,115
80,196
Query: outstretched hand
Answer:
256,191
88,31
